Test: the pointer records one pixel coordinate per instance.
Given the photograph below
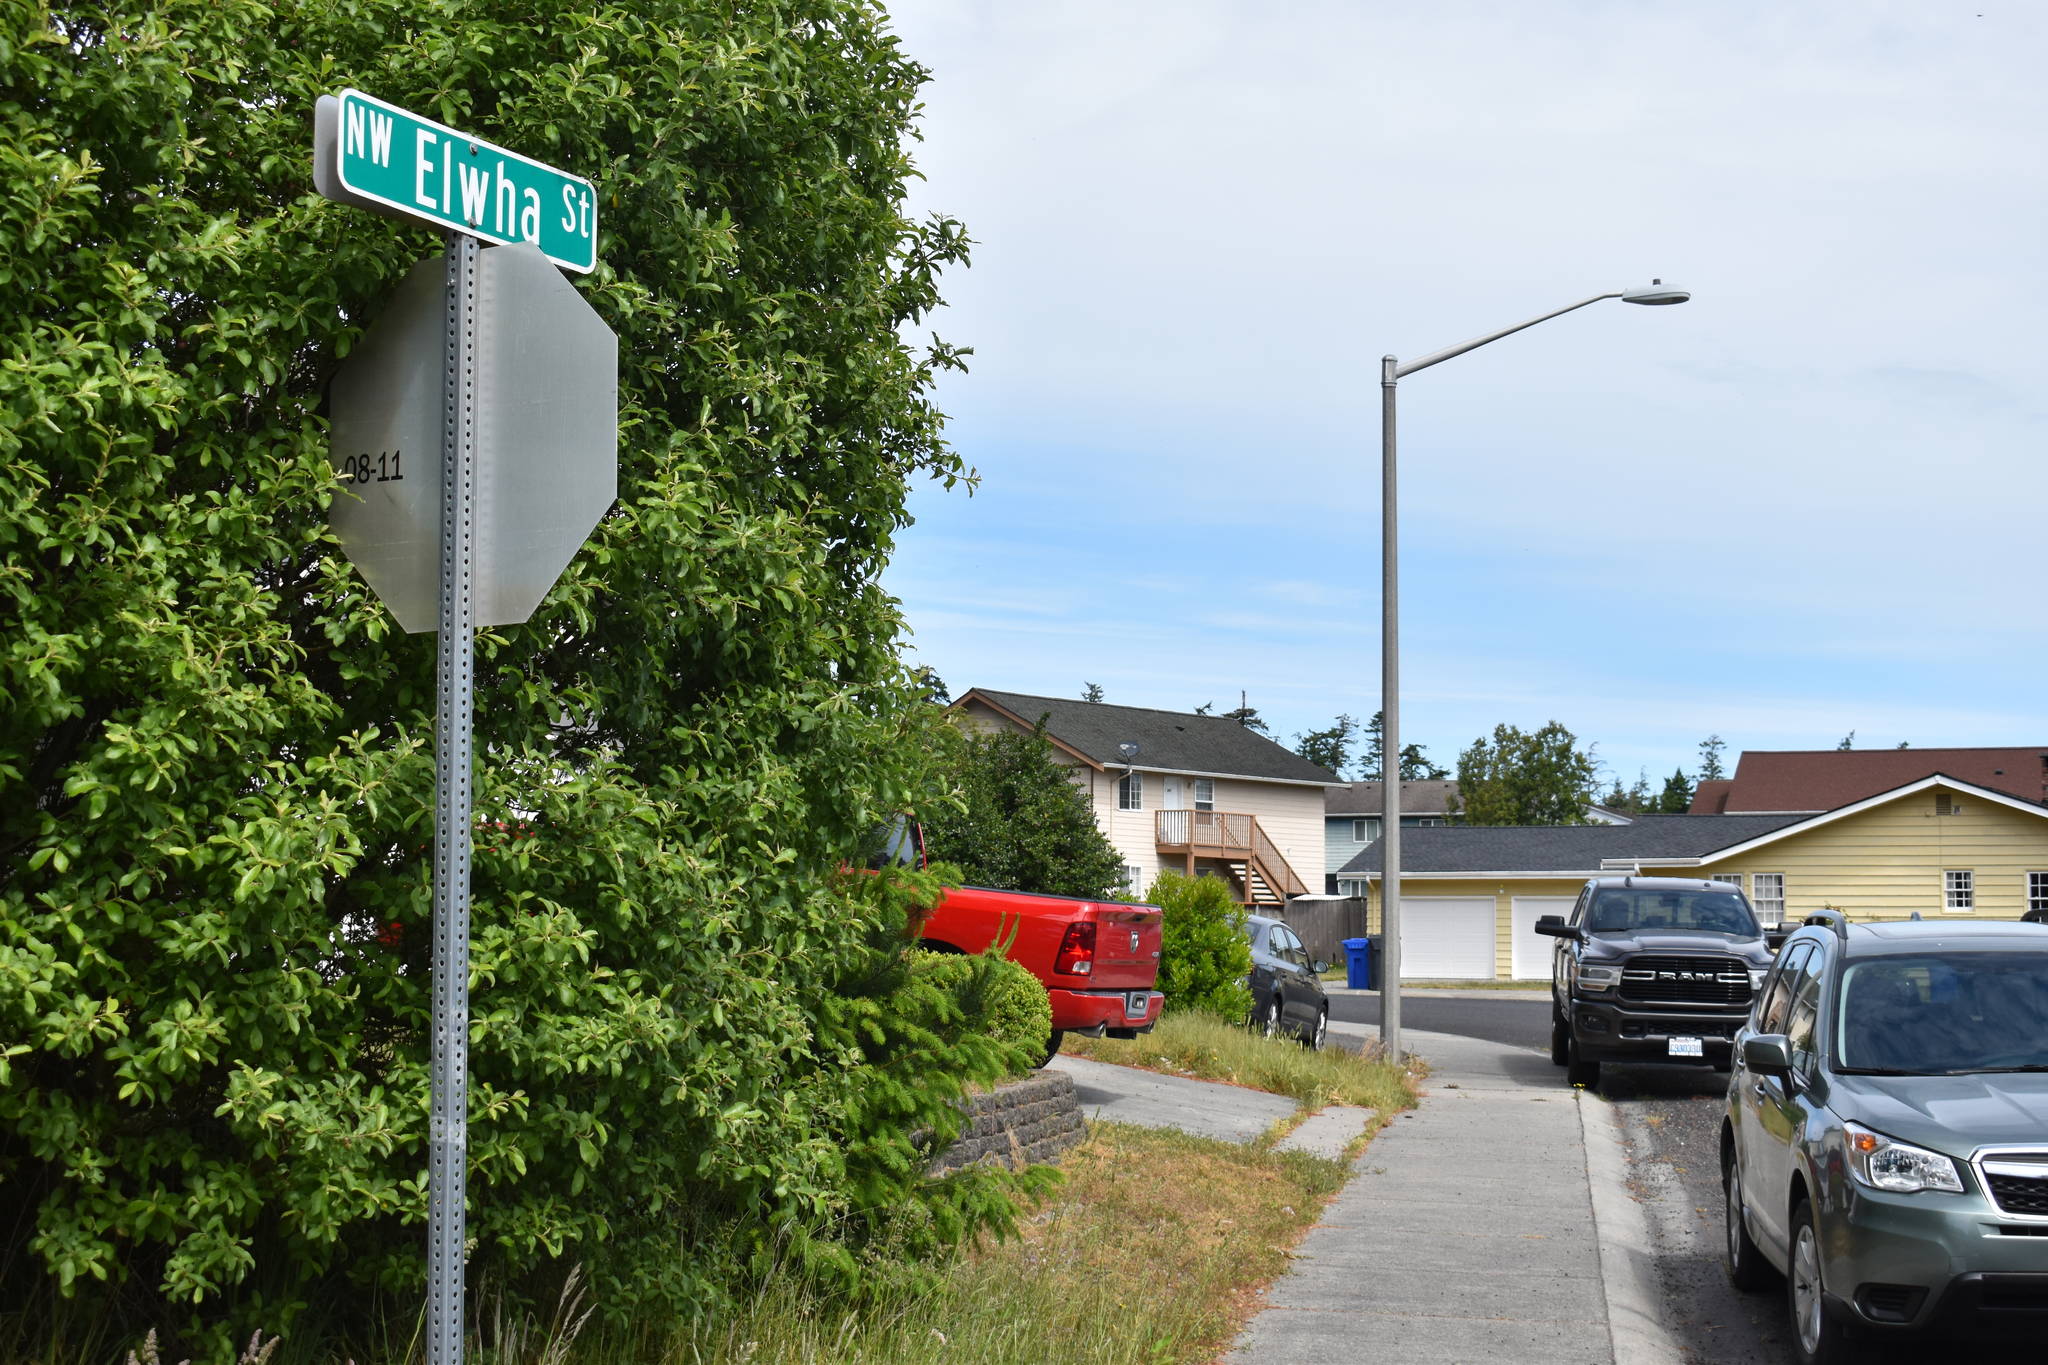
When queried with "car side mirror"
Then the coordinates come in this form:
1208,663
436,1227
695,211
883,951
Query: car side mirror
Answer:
1768,1054
1555,927
1774,939
1318,966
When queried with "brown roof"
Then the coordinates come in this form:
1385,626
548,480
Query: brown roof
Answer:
1418,797
1710,797
1823,779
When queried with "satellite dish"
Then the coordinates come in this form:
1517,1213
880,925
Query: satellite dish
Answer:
1128,750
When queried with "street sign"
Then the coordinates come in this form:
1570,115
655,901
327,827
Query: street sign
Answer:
546,405
376,155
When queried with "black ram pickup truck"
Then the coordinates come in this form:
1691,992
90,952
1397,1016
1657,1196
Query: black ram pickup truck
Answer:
1652,970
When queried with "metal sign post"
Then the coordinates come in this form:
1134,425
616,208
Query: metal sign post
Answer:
448,1168
504,366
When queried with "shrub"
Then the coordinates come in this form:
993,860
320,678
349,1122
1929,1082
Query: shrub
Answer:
215,767
1204,957
995,996
1016,820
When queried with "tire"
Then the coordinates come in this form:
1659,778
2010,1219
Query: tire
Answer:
1269,1018
1740,1255
1313,1039
1817,1339
1579,1071
1052,1047
1560,1042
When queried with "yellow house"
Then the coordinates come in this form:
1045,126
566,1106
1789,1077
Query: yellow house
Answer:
1939,846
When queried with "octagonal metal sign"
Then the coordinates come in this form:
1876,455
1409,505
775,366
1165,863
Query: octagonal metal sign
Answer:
547,411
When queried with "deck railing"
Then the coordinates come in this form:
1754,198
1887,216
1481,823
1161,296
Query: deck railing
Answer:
1230,835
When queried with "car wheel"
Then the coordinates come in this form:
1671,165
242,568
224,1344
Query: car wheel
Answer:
1578,1070
1817,1339
1747,1269
1052,1047
1313,1039
1269,1022
1560,1042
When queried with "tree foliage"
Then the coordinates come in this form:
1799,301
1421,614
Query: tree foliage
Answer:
215,766
1710,759
1676,798
1204,956
1525,778
1329,748
1015,819
1415,762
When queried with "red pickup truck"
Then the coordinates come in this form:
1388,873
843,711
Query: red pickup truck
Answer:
1099,960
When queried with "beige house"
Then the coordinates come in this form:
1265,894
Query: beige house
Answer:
1937,846
1170,789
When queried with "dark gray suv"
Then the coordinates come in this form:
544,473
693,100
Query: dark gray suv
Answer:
1652,969
1885,1146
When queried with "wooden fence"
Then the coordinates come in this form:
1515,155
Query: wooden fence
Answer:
1323,925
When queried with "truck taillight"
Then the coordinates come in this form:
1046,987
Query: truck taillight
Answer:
1076,956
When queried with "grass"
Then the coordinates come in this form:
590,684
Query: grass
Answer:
1204,1046
1152,1253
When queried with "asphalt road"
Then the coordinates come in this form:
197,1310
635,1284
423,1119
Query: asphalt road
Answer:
1515,1022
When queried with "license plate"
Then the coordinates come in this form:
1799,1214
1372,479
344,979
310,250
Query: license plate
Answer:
1684,1047
1137,1004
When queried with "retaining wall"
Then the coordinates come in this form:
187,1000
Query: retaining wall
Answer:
1020,1123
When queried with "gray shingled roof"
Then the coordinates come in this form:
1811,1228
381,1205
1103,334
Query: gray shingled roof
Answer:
1566,848
1363,798
1168,741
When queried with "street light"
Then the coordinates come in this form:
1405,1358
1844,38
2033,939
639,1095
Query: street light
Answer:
1391,371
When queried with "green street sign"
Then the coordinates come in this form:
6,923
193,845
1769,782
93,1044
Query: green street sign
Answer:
376,155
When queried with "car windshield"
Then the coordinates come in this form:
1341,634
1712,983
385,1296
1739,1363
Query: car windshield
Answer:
1639,910
1944,1013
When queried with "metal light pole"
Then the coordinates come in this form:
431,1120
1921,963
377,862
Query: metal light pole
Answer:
1391,373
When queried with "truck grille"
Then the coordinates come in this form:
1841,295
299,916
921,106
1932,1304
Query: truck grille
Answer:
2018,1181
1685,981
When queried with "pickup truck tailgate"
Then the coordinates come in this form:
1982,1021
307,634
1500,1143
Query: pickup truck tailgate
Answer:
1127,941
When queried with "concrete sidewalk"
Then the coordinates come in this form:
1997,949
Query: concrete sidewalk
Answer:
1468,1232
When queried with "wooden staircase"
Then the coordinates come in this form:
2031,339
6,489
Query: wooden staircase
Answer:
1259,873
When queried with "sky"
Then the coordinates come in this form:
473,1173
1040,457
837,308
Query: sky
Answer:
1809,501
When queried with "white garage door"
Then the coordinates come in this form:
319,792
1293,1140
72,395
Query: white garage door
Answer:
1533,950
1446,938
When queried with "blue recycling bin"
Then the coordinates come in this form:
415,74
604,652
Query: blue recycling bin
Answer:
1358,963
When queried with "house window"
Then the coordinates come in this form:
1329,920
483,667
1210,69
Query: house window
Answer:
1734,879
1134,878
1960,890
1205,793
2037,892
1424,821
1365,831
1130,792
1767,893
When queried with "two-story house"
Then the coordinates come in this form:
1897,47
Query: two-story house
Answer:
1352,815
1172,789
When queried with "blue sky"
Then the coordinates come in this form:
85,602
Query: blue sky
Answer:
1808,501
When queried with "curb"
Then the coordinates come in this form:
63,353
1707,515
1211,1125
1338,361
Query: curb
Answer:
1627,1273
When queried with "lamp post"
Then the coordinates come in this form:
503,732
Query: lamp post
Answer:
1391,372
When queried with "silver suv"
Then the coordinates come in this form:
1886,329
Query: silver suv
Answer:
1885,1146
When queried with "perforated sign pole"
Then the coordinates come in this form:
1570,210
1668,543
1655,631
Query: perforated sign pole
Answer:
456,671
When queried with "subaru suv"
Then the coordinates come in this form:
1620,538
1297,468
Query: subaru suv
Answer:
1652,969
1885,1146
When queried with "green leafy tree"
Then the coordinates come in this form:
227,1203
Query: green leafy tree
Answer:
215,767
1415,762
1676,798
1204,956
1329,748
1710,759
1015,819
1523,778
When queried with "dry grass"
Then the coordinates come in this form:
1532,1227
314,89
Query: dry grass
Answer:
1206,1047
1153,1253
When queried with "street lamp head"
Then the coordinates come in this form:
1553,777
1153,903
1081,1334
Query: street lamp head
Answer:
1656,292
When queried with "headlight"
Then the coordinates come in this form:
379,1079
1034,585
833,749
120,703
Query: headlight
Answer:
1593,978
1756,978
1883,1164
